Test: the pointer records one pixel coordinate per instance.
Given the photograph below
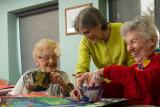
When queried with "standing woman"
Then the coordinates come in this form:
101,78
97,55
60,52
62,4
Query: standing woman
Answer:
101,41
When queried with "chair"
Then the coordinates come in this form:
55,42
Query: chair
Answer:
3,82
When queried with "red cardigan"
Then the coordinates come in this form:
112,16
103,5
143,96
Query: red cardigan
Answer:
140,81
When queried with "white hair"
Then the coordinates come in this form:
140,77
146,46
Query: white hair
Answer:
46,44
143,25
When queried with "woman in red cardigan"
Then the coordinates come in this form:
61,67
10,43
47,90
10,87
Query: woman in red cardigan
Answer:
141,81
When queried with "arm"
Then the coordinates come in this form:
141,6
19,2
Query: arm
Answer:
66,85
84,56
121,74
18,87
147,78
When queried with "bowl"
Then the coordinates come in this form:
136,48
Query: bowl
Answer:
91,94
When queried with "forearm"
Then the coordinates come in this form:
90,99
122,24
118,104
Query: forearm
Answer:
82,68
117,73
83,58
66,89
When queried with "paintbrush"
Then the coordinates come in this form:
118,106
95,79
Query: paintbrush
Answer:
105,79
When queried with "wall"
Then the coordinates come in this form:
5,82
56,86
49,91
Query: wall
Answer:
147,6
123,10
157,14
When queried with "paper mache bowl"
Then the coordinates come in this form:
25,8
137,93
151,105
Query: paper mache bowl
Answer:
92,94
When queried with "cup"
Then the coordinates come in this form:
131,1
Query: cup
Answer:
91,94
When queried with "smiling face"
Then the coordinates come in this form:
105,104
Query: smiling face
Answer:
46,54
138,46
94,33
47,60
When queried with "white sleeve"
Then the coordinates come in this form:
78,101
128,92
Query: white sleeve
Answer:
66,78
18,89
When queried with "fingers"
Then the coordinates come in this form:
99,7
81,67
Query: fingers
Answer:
55,74
100,72
83,79
75,95
89,78
79,80
95,80
78,75
92,81
55,77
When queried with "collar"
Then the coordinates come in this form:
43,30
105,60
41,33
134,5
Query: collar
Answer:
145,62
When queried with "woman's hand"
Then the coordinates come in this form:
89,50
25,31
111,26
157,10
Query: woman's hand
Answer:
75,95
89,78
56,78
83,78
97,78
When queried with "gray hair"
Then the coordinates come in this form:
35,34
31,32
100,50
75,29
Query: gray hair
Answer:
46,44
143,25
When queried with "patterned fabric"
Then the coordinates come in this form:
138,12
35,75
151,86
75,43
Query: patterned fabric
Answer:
69,87
144,64
37,80
23,85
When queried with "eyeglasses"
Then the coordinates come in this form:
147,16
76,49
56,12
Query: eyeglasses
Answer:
47,57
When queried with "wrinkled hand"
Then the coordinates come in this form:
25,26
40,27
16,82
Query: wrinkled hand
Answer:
83,78
75,95
79,80
56,78
97,78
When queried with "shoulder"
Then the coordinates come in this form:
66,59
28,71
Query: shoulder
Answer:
116,25
155,57
115,28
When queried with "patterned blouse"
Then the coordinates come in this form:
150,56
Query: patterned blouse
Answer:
52,89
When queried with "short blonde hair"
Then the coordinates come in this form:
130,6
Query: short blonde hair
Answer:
46,44
143,25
